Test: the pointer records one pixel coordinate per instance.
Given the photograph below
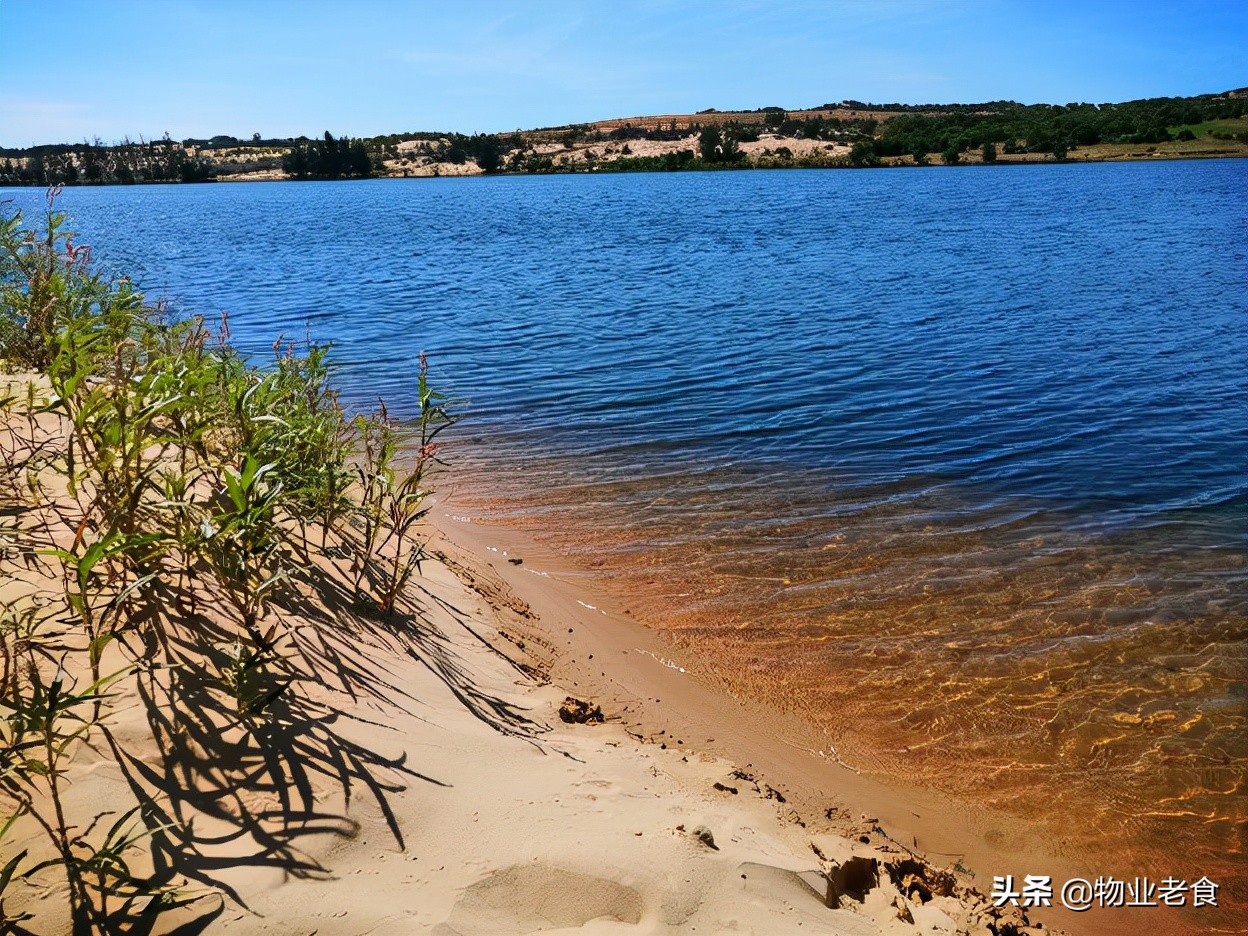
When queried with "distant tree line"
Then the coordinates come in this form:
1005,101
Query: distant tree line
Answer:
345,158
1046,128
829,129
328,158
93,163
668,162
485,149
951,130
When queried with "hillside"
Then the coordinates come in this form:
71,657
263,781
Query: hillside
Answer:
845,134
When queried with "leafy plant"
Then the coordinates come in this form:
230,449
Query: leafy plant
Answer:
247,675
307,438
392,501
99,608
242,540
45,283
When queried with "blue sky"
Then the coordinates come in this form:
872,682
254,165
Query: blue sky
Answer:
73,69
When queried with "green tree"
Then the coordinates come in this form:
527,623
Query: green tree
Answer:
359,164
774,117
716,146
489,152
194,170
863,154
951,155
328,158
709,142
990,152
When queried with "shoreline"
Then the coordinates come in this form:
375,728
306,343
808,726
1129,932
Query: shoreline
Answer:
834,161
456,171
662,698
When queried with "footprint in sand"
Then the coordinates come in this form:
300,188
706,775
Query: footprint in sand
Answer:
533,897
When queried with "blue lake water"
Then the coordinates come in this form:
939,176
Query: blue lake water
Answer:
1077,332
963,453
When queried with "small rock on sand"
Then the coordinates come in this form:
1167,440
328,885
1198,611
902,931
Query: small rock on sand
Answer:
579,712
703,835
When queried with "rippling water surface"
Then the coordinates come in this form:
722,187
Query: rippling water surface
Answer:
954,462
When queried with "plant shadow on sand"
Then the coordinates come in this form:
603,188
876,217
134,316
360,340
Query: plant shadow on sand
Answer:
231,791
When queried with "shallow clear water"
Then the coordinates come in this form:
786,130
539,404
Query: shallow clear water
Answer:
952,461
